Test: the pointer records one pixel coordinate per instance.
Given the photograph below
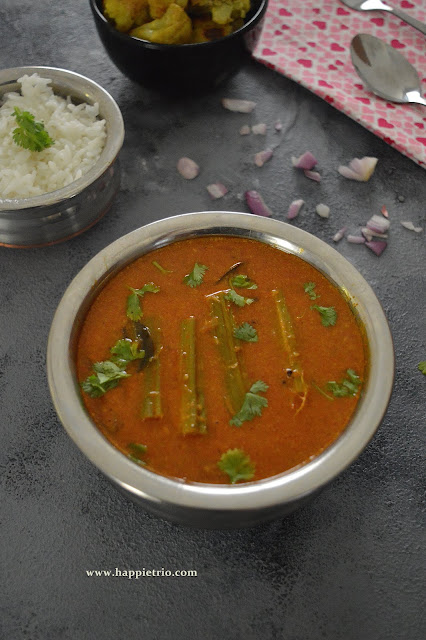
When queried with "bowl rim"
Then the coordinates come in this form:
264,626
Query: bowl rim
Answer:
147,44
284,488
111,114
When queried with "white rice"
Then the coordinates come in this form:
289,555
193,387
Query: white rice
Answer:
78,133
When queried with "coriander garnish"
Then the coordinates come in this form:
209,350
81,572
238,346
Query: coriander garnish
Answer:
125,351
237,465
242,282
422,367
309,289
107,376
246,332
328,315
160,268
348,387
30,134
134,309
195,278
252,405
235,297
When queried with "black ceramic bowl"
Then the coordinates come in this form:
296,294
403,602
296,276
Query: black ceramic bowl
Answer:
182,68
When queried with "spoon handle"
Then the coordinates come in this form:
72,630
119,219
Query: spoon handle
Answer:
417,24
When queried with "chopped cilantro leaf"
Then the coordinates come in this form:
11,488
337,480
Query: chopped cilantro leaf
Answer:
309,289
348,387
246,332
137,450
30,134
107,376
242,282
422,367
125,351
195,278
235,297
252,405
237,465
134,310
328,315
160,268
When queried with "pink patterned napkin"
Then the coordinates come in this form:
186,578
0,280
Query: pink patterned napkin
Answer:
308,41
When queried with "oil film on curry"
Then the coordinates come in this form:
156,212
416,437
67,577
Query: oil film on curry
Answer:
220,359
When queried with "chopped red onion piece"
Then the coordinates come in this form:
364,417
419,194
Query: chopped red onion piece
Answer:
378,224
262,157
355,239
294,209
217,190
306,161
187,168
377,246
322,210
278,125
410,226
312,175
339,234
240,106
257,205
384,212
360,169
259,129
245,130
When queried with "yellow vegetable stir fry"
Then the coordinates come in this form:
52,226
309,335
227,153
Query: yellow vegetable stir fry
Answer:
176,21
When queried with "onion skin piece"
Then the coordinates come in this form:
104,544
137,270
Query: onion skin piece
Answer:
306,161
187,168
339,234
257,205
384,211
262,157
294,209
355,239
217,190
238,106
410,226
322,210
259,129
278,125
377,246
313,175
245,130
360,169
369,234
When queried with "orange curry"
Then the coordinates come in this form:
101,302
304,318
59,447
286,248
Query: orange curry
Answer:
220,359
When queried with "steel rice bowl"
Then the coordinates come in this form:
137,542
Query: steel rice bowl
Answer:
59,215
212,505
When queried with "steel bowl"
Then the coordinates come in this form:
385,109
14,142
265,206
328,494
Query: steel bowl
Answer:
211,505
180,68
64,213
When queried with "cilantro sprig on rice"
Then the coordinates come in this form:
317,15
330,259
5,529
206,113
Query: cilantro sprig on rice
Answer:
30,134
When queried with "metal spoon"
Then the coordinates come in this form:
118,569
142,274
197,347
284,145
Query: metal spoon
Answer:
378,5
384,70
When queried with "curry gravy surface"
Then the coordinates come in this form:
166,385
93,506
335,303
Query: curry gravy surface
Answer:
279,439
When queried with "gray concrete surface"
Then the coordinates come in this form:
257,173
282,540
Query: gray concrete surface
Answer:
350,565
